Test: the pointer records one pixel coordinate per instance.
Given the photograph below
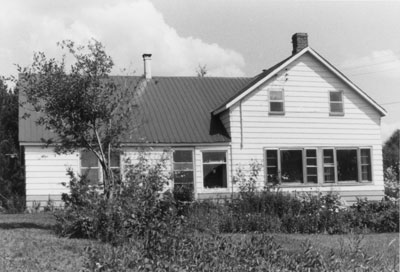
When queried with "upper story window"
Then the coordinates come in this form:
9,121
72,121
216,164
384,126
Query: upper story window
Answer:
276,101
183,169
336,103
214,169
91,169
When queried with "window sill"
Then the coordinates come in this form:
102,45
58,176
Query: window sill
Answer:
336,114
276,113
302,185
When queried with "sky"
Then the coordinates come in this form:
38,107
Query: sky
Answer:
232,38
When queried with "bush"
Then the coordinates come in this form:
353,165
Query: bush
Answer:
136,208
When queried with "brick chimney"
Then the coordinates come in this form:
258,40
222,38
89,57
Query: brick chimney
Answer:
147,66
299,41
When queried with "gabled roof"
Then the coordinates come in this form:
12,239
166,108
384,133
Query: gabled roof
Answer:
173,110
267,74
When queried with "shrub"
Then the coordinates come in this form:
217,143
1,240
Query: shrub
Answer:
136,208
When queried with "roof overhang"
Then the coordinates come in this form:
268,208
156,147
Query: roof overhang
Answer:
273,73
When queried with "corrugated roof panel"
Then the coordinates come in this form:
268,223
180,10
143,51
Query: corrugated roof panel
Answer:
173,110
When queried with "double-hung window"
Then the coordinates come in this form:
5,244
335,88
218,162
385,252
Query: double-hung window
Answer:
276,101
183,171
336,103
91,168
214,169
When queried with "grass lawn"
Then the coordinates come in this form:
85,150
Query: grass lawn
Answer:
28,244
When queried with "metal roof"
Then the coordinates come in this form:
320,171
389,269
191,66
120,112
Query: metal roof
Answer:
171,110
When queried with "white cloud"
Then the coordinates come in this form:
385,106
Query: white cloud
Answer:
381,63
126,28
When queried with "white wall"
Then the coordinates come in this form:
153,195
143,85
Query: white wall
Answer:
45,171
306,122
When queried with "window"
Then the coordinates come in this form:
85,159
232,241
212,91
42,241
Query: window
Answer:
329,166
336,102
91,169
302,165
214,169
347,165
311,166
276,101
183,169
292,166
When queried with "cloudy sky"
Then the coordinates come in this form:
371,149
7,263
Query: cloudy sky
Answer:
232,38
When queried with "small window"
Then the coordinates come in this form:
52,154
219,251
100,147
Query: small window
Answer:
183,169
366,174
336,102
311,166
276,101
272,166
329,166
214,169
347,169
90,166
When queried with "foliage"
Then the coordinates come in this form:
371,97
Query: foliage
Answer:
201,70
391,157
137,209
12,189
81,106
252,252
247,179
392,185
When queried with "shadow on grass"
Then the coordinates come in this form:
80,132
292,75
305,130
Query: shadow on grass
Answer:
31,221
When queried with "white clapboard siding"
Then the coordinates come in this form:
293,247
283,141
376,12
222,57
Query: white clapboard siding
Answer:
307,123
45,172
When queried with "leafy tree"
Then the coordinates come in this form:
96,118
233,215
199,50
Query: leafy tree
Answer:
201,70
84,107
391,154
11,173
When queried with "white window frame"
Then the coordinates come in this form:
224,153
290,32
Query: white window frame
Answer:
226,167
82,169
193,162
321,165
271,112
336,113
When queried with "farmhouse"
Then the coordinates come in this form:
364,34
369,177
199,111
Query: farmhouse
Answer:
307,125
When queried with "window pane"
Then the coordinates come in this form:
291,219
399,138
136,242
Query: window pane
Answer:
335,96
115,160
88,159
336,107
329,174
183,156
275,95
276,106
311,170
347,165
311,162
183,166
366,172
292,165
272,166
311,153
214,157
92,175
365,156
328,155
214,175
183,177
312,179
